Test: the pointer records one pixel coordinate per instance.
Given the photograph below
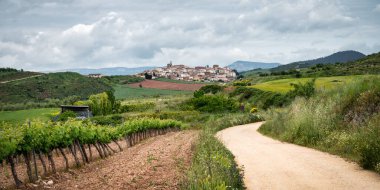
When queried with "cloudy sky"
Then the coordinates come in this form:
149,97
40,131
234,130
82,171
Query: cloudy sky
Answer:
50,35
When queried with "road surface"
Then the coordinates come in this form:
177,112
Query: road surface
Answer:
271,164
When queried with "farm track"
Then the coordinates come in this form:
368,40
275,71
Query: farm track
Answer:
167,85
271,164
3,82
155,163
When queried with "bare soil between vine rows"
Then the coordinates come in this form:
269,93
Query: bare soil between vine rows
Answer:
156,163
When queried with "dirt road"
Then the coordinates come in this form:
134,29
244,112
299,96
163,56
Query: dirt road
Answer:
271,164
156,163
3,82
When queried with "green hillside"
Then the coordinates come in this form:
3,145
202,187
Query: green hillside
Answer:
369,65
53,85
338,57
8,74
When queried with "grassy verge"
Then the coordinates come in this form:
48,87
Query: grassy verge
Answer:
213,166
343,121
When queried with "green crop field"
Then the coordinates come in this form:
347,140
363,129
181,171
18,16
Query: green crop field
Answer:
125,92
20,116
283,85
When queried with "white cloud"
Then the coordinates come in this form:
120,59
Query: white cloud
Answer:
377,8
60,35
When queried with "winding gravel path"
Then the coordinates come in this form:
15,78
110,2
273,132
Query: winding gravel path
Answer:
271,164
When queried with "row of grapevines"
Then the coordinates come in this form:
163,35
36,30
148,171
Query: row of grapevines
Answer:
40,139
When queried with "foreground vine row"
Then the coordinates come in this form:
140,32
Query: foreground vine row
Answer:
38,140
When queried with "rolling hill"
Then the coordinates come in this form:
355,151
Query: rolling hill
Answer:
9,74
241,66
51,86
339,57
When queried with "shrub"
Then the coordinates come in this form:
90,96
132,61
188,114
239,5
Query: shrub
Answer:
303,90
213,88
198,93
66,115
213,103
253,110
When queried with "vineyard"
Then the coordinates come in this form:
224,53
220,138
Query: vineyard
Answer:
35,142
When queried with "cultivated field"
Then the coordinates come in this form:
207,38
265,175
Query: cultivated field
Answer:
128,92
167,85
283,85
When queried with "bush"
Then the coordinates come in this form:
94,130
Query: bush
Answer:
213,88
253,110
213,103
66,115
304,90
198,93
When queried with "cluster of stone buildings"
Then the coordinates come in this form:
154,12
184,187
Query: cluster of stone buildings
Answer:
182,72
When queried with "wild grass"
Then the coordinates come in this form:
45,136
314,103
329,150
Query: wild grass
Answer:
343,121
213,166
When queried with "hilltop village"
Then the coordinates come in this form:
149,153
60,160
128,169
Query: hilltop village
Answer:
199,73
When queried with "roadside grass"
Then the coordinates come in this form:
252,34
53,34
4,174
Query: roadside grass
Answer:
283,85
127,92
213,165
20,116
344,121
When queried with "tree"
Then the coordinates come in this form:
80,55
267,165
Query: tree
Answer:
100,104
148,76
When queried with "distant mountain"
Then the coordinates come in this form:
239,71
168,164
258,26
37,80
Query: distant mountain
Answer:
241,66
111,70
341,57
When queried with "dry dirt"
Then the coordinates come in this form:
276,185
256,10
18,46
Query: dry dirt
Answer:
271,164
167,85
156,163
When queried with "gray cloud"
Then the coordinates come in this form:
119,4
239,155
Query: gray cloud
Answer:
48,35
